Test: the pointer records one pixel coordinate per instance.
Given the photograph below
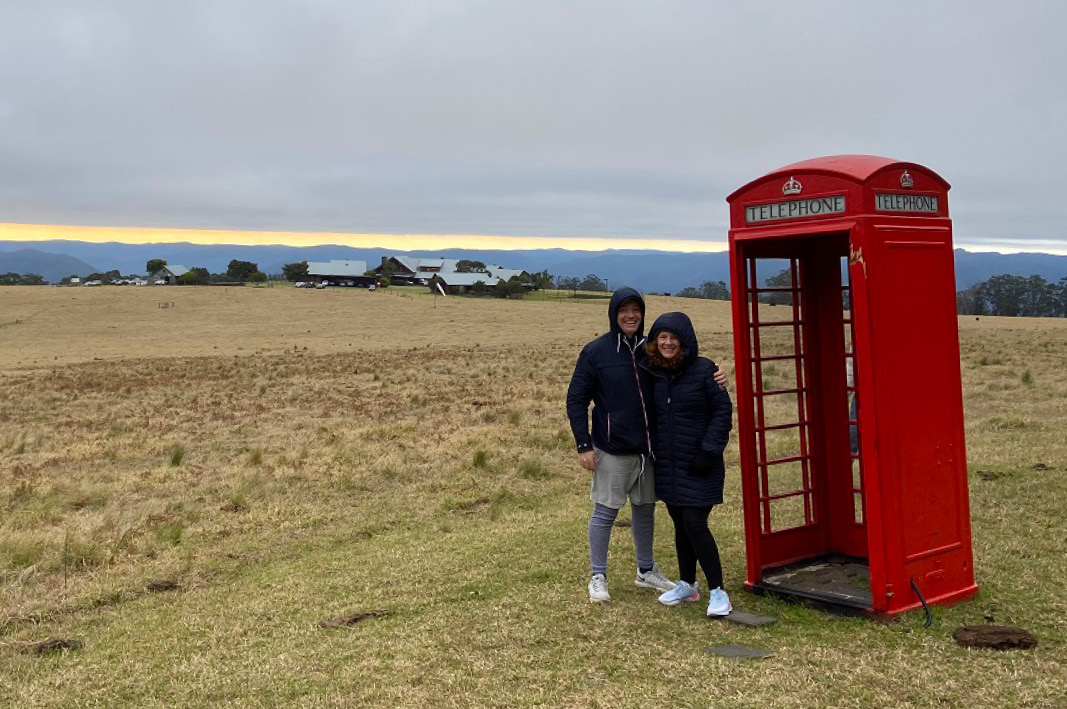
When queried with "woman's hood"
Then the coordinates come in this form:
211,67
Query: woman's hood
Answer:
681,327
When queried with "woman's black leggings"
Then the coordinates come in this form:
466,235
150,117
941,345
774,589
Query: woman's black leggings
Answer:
693,542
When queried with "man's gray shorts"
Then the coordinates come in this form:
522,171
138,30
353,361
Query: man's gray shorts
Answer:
618,477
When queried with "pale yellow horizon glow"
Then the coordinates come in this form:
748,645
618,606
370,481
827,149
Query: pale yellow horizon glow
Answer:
400,242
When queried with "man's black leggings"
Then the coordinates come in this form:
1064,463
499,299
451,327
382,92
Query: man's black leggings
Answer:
693,542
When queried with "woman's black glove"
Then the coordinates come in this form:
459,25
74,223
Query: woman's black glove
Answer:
706,464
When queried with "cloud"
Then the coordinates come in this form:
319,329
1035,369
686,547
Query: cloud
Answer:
544,118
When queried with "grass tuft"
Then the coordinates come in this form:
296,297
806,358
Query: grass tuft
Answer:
20,553
1008,423
499,502
169,533
80,554
236,501
533,470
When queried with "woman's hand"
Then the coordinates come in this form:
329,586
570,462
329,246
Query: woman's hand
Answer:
705,464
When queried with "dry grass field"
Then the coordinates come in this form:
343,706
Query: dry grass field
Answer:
188,491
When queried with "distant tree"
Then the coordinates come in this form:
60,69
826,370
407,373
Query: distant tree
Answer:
154,264
542,279
1039,298
10,279
298,271
783,279
709,290
468,266
32,279
969,302
478,288
241,270
197,275
513,286
106,277
593,282
715,290
569,283
258,277
1003,295
1060,295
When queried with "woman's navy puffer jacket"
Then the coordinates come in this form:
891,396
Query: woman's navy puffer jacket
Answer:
693,422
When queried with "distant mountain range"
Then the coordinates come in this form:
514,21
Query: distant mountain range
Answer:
650,271
51,266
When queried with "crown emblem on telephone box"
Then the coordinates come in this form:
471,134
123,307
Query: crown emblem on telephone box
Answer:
792,186
905,180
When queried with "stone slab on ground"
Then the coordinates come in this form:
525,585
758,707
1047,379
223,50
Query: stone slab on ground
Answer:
751,620
738,652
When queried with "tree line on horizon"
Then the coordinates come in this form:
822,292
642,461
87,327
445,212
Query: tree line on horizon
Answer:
243,271
22,279
1014,296
1005,295
236,270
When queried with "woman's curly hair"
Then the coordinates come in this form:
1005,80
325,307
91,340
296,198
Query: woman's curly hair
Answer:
655,359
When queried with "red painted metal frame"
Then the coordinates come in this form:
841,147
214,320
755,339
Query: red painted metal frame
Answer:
759,394
854,456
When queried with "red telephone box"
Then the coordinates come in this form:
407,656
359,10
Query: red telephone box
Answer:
849,400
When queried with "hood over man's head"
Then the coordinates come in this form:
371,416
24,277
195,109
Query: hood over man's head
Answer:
618,299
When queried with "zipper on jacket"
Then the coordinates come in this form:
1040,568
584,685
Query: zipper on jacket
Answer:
609,426
670,414
641,394
670,424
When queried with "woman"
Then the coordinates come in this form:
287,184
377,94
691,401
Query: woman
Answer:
693,421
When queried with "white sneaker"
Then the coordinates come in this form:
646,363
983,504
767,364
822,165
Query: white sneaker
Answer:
682,591
598,589
653,578
719,603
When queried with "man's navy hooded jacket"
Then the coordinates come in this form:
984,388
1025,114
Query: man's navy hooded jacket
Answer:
609,374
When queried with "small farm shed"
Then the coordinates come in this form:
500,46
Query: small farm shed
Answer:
168,275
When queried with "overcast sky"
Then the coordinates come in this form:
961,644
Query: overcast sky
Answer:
586,118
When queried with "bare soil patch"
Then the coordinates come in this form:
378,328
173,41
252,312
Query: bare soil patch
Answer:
995,637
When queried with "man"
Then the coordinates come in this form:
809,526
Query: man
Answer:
609,374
